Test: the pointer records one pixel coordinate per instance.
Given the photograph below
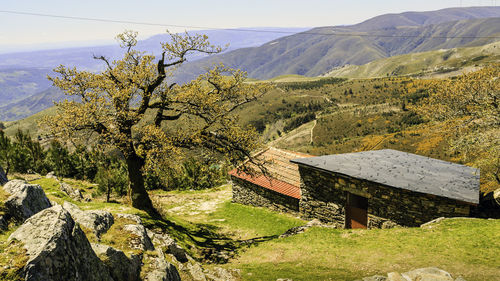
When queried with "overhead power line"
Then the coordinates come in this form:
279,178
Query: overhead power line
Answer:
346,34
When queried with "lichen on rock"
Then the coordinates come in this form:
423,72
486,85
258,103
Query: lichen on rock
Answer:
58,249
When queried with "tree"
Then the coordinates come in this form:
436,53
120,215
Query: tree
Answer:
5,152
111,176
470,103
130,105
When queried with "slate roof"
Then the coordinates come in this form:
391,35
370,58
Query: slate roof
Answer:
403,170
283,177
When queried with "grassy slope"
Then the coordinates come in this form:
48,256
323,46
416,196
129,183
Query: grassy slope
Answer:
432,62
466,247
213,208
29,123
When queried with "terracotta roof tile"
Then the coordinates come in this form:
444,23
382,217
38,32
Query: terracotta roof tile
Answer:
284,175
269,183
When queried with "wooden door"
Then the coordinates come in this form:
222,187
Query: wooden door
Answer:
356,211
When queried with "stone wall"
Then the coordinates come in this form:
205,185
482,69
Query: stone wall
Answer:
324,195
247,193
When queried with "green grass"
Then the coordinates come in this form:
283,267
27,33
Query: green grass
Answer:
52,190
466,247
30,123
247,222
12,257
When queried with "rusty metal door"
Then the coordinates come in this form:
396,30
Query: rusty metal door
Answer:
356,211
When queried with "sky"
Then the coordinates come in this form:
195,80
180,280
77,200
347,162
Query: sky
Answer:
23,32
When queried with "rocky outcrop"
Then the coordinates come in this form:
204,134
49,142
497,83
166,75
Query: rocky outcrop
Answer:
140,239
3,177
96,220
161,270
73,193
421,274
164,241
51,175
25,200
58,249
134,218
120,267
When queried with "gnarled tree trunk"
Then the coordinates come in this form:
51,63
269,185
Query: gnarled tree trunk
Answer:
3,177
137,190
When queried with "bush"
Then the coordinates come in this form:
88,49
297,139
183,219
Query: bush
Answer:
299,120
411,118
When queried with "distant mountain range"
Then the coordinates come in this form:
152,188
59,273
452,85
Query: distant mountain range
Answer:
83,57
268,54
319,50
24,74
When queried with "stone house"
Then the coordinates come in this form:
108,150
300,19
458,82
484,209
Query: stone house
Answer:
367,189
373,189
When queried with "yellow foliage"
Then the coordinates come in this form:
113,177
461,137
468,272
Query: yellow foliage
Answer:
471,102
112,106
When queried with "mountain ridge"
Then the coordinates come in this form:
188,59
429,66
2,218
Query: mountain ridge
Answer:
309,53
312,53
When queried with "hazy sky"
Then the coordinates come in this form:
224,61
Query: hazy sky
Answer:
20,31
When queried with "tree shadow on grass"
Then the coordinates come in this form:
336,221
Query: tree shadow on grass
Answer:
204,242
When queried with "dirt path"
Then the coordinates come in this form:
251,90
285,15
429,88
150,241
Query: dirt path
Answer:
193,203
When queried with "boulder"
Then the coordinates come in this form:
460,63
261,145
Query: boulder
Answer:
97,220
141,240
389,224
164,241
421,274
3,177
25,199
375,278
432,222
58,249
51,175
162,271
120,267
73,193
395,276
134,218
222,274
428,273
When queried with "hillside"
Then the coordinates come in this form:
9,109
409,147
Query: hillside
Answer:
436,63
317,51
30,105
17,83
